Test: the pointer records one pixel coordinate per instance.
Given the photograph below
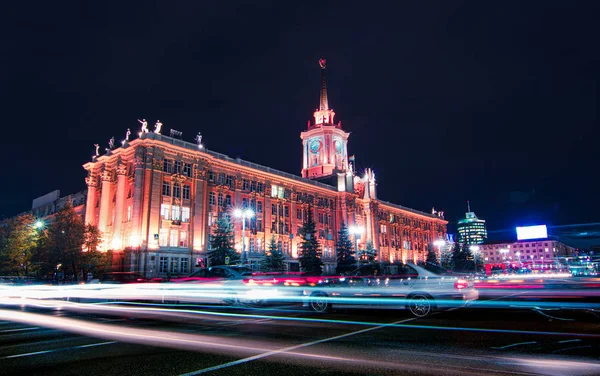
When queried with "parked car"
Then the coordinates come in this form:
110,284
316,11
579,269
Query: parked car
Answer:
407,286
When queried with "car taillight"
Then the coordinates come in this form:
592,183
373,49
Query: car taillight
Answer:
461,284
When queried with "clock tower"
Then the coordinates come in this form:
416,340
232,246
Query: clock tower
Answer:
324,143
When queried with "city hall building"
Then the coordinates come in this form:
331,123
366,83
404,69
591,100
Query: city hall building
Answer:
156,199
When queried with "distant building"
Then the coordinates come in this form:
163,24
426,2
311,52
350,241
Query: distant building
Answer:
535,254
50,203
471,230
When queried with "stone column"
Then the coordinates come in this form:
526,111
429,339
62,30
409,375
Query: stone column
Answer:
199,214
121,189
105,202
138,197
90,205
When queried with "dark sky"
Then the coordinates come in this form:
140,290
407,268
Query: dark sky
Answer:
491,101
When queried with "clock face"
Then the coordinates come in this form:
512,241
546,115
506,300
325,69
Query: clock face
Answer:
314,146
339,146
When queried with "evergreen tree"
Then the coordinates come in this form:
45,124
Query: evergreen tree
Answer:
310,250
458,257
370,252
221,243
273,261
432,257
344,251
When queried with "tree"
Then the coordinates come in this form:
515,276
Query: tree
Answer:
18,245
310,250
273,261
344,251
446,260
221,243
432,257
370,252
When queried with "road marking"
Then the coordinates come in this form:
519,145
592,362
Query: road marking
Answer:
57,350
95,344
552,317
291,348
513,345
28,354
570,340
19,330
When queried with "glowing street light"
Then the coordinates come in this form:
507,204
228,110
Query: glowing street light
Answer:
356,231
38,224
243,214
474,249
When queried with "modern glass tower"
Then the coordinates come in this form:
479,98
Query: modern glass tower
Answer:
471,230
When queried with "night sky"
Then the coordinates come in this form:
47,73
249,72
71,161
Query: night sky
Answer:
495,102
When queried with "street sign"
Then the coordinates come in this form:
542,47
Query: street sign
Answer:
227,260
155,236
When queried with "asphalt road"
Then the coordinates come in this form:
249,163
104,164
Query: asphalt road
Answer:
71,339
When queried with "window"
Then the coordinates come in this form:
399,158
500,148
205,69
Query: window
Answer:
211,176
176,213
383,229
185,214
163,263
320,217
177,168
253,186
244,203
168,165
174,264
186,192
183,265
129,214
221,178
211,198
164,211
177,190
259,206
163,237
173,238
228,201
286,211
183,240
252,241
220,199
187,169
277,191
273,209
166,188
230,181
245,184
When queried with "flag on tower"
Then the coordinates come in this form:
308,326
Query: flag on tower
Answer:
351,158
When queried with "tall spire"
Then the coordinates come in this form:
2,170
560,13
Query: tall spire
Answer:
468,206
324,104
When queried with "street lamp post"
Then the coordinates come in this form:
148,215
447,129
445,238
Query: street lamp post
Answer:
504,260
243,214
356,231
474,249
439,243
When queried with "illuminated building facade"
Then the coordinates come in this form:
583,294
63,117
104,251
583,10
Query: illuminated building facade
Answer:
536,254
156,199
471,230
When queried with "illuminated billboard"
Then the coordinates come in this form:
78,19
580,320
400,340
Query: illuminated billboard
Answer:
532,232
